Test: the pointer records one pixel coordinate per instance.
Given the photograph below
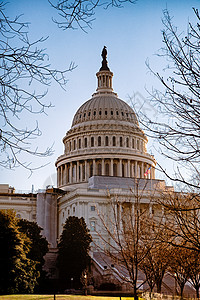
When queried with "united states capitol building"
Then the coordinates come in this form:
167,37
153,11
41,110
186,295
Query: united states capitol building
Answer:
105,152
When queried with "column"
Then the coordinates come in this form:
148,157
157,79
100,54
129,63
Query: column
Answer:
128,168
103,166
142,170
77,171
81,177
70,173
136,170
120,168
58,176
94,167
152,172
125,169
111,167
86,170
75,178
61,175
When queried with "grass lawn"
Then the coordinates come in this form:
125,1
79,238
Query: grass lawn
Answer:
61,297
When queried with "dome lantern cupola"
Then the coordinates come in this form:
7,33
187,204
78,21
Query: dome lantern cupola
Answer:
104,75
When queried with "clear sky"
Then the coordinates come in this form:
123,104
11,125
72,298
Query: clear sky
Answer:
132,35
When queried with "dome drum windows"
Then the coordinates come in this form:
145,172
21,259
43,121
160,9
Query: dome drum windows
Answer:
114,141
106,141
79,144
127,142
133,143
138,144
85,142
99,141
120,141
92,141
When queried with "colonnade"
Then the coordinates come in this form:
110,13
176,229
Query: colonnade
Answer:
80,171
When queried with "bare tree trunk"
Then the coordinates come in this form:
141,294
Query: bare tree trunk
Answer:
158,285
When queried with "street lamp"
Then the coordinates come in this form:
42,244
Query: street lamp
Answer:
72,282
85,283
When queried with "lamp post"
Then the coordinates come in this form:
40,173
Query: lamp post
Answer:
85,283
72,282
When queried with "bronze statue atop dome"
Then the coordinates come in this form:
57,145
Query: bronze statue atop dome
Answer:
104,66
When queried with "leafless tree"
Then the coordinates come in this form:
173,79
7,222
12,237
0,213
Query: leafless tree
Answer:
177,126
75,13
126,226
182,219
24,68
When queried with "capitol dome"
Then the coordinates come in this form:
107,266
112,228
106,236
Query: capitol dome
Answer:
105,107
105,138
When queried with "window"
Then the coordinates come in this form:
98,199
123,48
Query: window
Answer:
111,113
138,144
106,112
85,142
89,114
114,141
92,208
122,170
99,141
99,169
100,112
73,210
70,146
117,113
92,141
133,143
92,226
120,142
127,142
114,169
74,144
106,141
95,113
79,143
68,212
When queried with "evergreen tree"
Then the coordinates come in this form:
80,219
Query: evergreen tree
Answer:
73,254
38,247
18,272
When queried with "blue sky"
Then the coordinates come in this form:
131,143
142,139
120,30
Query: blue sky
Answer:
132,35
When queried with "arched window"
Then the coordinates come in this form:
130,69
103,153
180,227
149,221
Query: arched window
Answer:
114,141
85,142
127,142
99,169
70,146
120,142
92,141
107,169
133,143
114,169
74,144
91,170
106,140
99,141
79,143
